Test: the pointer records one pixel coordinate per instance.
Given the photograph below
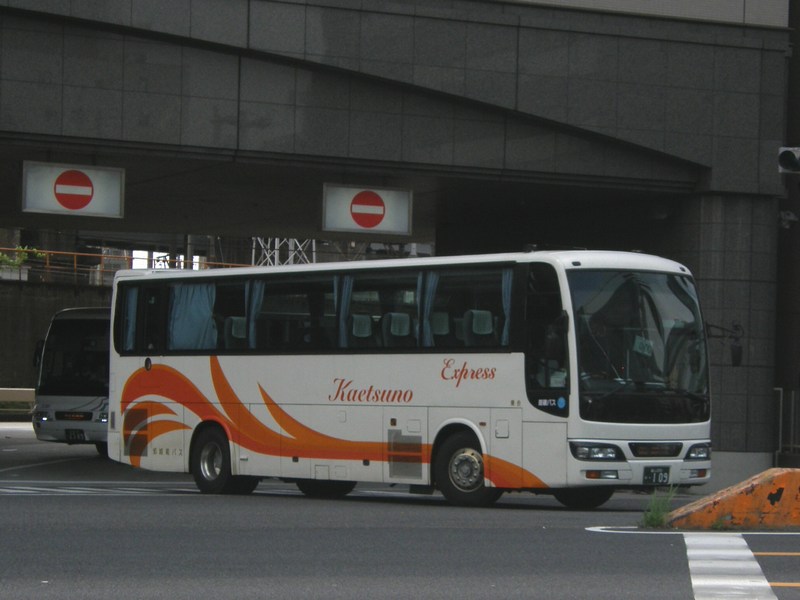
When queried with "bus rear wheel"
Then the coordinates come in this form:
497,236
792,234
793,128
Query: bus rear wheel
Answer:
459,472
210,463
584,498
314,488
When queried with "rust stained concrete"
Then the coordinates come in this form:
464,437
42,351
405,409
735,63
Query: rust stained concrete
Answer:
769,500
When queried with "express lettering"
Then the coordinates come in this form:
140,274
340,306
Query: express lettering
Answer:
453,372
346,392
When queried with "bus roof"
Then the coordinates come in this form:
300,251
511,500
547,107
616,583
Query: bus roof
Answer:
567,259
83,313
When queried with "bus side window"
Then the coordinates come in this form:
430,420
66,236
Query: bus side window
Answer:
294,316
191,317
153,313
229,316
125,319
468,308
546,353
381,310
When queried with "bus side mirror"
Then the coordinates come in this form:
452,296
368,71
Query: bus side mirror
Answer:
734,334
37,354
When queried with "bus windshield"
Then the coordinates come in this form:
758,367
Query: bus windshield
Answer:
75,358
641,347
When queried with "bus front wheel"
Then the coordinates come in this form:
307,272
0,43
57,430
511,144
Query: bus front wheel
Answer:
211,465
459,472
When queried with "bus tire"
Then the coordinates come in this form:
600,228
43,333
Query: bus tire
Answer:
242,484
459,472
211,465
315,488
211,461
584,498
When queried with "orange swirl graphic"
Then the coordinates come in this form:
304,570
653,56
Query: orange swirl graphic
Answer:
140,428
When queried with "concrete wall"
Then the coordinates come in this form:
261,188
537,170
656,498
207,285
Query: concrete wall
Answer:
698,91
768,13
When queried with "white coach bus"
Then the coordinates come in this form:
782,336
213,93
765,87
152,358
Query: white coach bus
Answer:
71,401
571,373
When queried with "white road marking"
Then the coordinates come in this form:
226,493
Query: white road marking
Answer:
723,566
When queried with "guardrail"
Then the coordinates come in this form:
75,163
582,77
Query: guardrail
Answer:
48,266
16,404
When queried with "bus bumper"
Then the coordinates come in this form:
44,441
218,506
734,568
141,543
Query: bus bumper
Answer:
619,467
47,428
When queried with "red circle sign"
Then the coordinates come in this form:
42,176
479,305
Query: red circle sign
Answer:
367,209
73,189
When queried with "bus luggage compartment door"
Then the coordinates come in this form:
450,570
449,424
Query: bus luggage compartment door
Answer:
406,436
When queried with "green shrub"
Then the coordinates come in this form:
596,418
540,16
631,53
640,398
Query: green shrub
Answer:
658,509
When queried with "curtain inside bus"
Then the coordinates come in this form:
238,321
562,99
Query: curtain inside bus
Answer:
254,300
191,317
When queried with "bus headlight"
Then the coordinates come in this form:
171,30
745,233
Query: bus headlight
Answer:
102,417
699,452
595,451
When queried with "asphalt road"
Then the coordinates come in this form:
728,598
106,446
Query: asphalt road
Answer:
75,525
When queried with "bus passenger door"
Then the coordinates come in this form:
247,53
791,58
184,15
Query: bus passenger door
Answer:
546,451
406,440
505,448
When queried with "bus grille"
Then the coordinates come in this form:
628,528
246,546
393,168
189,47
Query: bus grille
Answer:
73,416
655,450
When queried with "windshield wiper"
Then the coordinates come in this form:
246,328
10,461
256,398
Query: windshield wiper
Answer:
638,386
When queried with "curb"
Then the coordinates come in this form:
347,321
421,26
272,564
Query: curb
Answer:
769,500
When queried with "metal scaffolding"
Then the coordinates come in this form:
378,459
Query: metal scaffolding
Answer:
283,251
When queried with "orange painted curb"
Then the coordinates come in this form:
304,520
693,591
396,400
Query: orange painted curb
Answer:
769,500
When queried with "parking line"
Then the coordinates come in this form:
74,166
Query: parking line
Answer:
781,584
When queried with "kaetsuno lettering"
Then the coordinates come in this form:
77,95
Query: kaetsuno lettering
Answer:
458,374
347,392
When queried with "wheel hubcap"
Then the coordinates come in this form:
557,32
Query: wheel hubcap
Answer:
211,462
466,469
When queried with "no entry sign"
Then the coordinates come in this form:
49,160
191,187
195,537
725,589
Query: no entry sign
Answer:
366,210
73,190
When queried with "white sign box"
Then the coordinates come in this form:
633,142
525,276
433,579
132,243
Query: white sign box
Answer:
366,210
72,190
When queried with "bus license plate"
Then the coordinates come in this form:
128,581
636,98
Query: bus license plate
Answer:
656,475
75,436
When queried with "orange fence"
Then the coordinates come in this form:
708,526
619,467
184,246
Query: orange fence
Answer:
82,268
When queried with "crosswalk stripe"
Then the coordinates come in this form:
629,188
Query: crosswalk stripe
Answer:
723,566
